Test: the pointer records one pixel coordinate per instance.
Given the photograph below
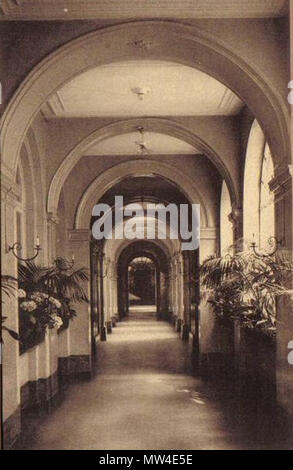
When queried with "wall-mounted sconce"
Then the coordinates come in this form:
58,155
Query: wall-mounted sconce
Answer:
17,247
273,243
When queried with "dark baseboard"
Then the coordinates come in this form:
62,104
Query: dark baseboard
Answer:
178,325
185,332
216,364
114,320
11,429
74,368
109,327
41,397
35,395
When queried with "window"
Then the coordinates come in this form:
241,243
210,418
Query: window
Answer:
266,204
226,228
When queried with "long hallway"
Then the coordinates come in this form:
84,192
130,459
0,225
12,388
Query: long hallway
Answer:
144,396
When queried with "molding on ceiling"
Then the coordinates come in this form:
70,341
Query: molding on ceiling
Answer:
110,9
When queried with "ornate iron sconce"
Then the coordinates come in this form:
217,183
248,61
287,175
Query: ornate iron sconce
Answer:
17,247
273,243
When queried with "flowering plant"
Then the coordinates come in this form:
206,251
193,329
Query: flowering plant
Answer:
45,298
42,307
38,312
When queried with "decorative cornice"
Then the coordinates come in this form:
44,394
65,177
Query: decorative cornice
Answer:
79,235
208,233
107,9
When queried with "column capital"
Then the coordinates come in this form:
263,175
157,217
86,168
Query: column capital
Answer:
208,233
236,218
79,235
236,214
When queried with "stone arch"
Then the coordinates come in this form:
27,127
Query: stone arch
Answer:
163,126
159,249
181,43
136,167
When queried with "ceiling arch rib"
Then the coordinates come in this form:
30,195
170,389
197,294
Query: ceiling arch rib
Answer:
161,232
139,167
161,125
114,248
126,253
194,47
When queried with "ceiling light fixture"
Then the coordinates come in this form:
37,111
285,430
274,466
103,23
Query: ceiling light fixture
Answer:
141,92
141,144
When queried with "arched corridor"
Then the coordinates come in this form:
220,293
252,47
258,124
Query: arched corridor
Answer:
146,225
144,394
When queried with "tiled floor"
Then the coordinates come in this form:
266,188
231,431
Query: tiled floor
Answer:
144,396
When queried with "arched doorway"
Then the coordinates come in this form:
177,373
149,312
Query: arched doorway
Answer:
143,279
142,284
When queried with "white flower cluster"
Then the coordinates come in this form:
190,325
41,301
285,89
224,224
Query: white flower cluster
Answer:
39,297
55,302
21,294
57,321
36,299
29,305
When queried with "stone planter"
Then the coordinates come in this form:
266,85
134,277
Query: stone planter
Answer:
255,364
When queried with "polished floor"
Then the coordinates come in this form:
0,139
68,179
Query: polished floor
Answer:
145,396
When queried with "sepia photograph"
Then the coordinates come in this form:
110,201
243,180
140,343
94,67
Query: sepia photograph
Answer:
146,227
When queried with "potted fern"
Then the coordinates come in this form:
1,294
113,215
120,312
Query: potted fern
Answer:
243,289
244,286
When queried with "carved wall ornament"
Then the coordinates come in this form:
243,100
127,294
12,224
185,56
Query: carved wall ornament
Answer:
142,44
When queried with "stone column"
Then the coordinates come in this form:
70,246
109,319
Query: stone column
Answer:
281,185
158,294
80,327
101,275
209,242
10,349
186,296
175,290
108,296
180,290
52,221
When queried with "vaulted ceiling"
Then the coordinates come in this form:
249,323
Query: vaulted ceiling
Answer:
147,187
126,9
167,89
138,89
129,144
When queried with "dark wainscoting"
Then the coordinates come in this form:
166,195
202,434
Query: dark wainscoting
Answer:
11,429
41,397
74,368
